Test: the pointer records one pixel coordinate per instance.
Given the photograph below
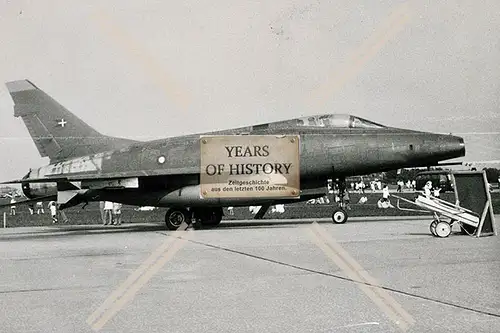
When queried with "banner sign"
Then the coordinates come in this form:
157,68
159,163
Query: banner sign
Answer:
243,166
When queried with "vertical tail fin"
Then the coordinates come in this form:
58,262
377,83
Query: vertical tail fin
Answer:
56,132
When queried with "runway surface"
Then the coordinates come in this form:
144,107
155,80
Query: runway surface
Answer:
368,275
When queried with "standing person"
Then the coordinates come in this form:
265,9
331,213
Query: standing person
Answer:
53,211
117,213
108,212
12,206
39,208
347,200
31,208
101,210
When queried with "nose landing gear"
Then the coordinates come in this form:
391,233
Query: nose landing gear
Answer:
339,215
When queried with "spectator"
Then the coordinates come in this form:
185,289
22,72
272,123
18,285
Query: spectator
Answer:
53,211
347,200
101,209
117,213
39,208
384,202
427,189
31,208
108,212
12,206
400,186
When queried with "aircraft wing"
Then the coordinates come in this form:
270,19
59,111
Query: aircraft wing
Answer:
107,175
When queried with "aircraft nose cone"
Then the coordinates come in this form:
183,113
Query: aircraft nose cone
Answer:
461,144
452,146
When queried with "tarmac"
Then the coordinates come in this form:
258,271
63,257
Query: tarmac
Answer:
308,275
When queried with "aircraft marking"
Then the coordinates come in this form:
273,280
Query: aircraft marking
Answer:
62,122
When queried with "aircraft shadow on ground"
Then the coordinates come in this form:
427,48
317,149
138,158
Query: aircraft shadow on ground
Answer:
90,230
263,223
68,231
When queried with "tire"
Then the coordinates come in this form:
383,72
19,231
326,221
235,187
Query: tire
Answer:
175,217
339,216
432,227
213,221
209,218
443,229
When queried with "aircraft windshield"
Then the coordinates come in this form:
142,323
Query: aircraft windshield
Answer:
337,121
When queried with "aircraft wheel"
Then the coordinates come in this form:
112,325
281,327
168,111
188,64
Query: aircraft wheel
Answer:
443,229
432,227
213,218
175,217
209,218
339,216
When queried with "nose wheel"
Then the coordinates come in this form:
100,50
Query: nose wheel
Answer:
339,216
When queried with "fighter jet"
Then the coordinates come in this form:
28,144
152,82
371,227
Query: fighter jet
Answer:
86,165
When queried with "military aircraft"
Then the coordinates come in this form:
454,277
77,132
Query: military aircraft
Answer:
86,165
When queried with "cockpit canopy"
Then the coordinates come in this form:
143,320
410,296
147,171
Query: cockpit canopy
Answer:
337,121
326,121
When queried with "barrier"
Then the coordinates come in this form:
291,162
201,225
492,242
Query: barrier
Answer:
472,192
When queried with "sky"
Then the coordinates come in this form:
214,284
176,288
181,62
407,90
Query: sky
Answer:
152,69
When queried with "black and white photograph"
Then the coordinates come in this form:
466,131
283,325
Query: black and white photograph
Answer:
250,166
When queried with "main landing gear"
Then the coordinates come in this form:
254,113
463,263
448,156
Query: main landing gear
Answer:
339,215
203,217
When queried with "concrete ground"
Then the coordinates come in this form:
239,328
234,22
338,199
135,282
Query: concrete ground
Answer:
368,275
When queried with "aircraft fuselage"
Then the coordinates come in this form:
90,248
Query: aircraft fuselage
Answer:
324,153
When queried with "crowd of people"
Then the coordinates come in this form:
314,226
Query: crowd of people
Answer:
110,211
38,208
376,186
